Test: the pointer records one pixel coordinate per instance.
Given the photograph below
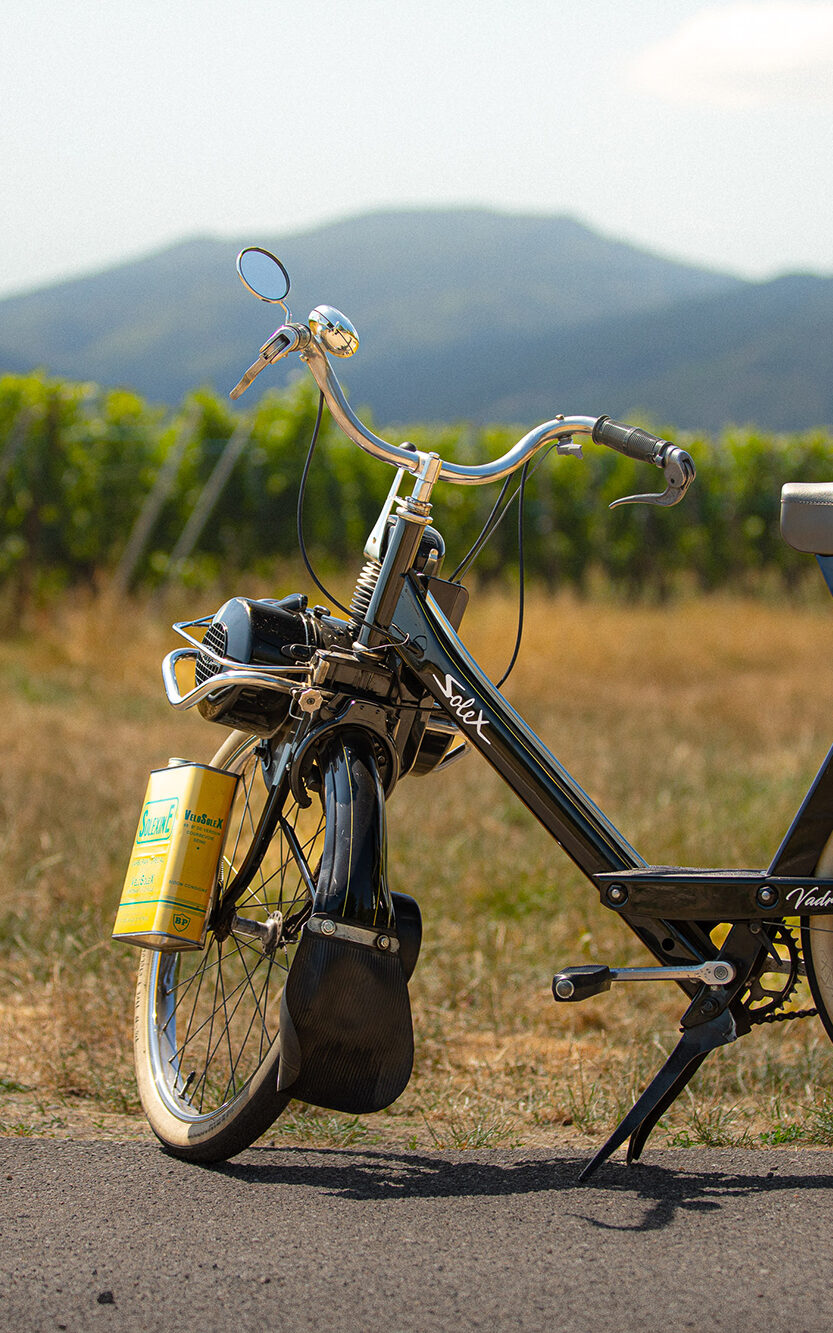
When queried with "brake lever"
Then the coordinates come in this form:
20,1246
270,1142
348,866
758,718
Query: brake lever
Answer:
242,384
283,340
679,472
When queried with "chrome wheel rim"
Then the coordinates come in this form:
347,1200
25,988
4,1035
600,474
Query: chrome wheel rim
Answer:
213,1016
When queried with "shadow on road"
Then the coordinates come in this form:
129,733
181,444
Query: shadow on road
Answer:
386,1175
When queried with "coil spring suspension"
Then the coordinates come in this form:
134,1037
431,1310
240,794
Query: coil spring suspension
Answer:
363,592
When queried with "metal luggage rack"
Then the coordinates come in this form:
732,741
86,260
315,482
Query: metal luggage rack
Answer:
283,679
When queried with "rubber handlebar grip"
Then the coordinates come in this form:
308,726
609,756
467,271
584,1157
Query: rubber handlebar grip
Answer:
629,440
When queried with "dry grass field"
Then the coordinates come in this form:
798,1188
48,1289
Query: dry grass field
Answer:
696,726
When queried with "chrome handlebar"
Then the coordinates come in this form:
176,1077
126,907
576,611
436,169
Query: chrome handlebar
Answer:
415,462
428,467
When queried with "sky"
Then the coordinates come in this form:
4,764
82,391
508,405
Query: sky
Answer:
698,131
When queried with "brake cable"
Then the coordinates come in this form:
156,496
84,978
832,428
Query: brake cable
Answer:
489,528
299,513
299,524
520,632
486,531
491,525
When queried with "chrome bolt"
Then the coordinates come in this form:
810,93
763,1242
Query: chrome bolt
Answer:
617,894
383,941
721,972
328,927
564,988
767,896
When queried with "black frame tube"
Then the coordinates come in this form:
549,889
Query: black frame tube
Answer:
435,654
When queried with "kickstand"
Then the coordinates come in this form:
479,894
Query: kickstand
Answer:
684,1061
639,1137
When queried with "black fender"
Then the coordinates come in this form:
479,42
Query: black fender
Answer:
346,1029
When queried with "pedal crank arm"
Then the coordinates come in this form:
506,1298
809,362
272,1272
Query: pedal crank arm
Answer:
578,983
715,972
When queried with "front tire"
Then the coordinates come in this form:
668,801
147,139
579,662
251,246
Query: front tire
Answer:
206,1039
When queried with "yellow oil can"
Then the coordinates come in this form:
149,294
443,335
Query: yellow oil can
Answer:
173,868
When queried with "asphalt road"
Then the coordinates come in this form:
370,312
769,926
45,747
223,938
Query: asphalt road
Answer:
118,1236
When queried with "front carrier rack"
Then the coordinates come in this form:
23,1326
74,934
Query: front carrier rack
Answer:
284,679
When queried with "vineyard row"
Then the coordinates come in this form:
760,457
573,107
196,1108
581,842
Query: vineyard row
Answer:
98,484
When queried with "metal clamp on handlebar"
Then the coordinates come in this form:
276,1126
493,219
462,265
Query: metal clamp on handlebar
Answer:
677,466
283,341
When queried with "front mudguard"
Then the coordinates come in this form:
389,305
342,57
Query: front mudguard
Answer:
346,1028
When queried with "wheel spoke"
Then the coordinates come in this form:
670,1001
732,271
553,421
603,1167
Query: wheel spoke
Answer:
258,1011
191,1015
224,1037
214,1020
212,1016
247,784
216,1007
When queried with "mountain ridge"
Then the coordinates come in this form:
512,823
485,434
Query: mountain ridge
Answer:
463,313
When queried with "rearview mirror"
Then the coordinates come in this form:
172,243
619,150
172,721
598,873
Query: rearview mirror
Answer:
263,274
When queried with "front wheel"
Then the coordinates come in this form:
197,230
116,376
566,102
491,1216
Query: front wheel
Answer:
206,1041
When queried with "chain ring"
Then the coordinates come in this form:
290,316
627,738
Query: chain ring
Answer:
770,1001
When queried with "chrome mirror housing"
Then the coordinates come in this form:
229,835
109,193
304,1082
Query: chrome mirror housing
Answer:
264,275
333,331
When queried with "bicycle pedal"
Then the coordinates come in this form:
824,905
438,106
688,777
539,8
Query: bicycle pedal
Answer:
572,984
